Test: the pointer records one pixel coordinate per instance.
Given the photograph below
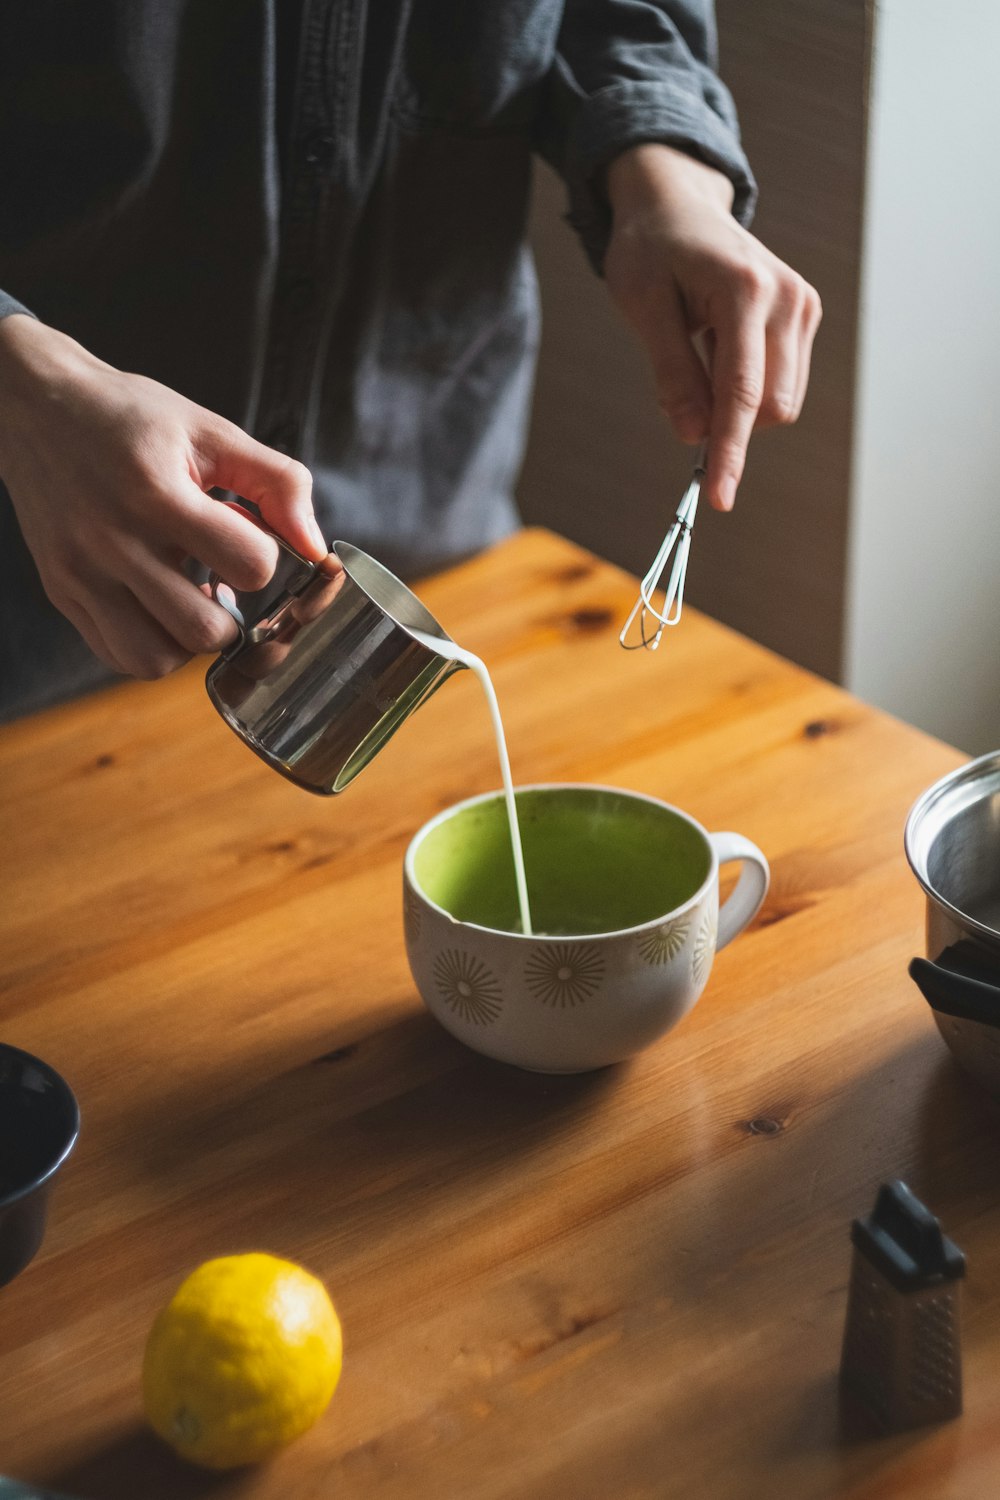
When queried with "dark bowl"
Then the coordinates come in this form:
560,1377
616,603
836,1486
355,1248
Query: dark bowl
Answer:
39,1124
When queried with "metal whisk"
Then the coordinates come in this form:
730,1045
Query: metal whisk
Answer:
678,543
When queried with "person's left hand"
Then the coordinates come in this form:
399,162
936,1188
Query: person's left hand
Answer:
679,265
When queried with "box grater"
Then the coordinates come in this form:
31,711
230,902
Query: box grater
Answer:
902,1352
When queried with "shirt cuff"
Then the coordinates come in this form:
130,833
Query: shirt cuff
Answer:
10,305
630,114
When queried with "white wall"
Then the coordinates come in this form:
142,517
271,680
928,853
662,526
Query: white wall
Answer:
923,616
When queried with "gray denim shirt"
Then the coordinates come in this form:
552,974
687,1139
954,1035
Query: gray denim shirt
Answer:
310,218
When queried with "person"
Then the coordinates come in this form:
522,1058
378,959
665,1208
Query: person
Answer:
278,251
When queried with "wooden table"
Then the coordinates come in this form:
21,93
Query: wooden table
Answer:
625,1285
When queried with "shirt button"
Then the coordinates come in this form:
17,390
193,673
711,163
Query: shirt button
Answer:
317,148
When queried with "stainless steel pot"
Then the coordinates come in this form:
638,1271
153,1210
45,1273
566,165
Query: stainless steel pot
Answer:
952,842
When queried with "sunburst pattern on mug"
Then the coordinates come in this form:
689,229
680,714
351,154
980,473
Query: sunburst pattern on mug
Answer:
704,947
412,914
665,942
564,973
468,987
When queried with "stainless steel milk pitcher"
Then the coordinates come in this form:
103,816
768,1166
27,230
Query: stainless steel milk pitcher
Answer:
325,669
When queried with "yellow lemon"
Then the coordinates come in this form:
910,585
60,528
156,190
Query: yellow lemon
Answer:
243,1358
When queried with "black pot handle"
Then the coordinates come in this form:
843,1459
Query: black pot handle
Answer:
958,985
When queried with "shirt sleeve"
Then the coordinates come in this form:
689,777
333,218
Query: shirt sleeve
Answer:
10,305
627,72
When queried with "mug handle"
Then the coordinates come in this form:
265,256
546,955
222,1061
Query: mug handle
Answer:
747,896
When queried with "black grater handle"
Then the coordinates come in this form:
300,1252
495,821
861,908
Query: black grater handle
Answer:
904,1240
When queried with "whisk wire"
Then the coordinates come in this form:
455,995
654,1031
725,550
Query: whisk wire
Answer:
676,543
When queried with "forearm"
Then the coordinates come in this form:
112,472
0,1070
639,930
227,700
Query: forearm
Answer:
36,362
653,176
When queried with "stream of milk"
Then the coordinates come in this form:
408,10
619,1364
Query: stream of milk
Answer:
451,652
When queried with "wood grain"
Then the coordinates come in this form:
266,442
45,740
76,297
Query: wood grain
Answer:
628,1284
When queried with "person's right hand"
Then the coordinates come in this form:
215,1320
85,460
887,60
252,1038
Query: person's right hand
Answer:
109,474
680,268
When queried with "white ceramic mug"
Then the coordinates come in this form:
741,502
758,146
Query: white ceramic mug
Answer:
624,892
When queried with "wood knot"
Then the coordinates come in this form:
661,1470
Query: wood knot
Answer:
586,620
763,1125
565,1328
816,728
339,1054
317,861
573,573
103,761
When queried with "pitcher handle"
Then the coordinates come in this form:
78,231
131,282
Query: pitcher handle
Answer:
747,896
227,597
